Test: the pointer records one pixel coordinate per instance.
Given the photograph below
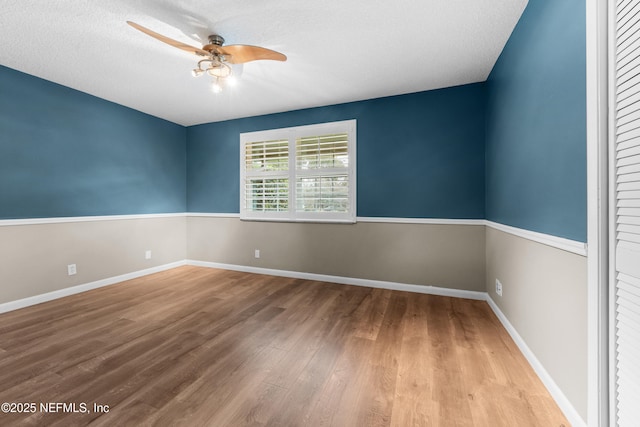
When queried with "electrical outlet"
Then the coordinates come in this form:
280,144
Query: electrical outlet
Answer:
71,269
498,287
147,255
257,253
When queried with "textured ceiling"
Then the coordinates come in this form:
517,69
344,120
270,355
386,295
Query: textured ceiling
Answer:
338,50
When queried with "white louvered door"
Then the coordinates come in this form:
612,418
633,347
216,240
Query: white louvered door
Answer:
625,71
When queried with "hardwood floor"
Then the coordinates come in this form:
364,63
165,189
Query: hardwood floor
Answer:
196,346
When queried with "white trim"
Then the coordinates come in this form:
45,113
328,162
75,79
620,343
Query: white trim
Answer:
59,220
597,65
422,289
568,245
213,215
565,405
573,246
436,221
49,296
302,220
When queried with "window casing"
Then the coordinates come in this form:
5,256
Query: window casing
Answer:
303,173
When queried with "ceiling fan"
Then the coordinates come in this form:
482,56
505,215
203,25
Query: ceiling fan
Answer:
216,57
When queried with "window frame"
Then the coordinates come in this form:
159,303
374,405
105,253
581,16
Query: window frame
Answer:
291,134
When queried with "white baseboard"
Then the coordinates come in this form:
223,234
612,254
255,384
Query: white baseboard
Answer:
37,299
422,289
565,406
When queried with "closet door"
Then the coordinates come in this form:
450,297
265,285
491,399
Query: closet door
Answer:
625,72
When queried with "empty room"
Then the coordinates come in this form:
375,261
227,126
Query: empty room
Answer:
342,213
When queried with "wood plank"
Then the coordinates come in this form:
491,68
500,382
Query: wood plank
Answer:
412,404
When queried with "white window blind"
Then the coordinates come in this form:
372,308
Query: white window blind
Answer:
304,173
266,187
322,173
626,299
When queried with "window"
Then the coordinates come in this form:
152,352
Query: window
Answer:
304,173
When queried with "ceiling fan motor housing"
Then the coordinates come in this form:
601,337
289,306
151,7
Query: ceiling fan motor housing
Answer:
216,39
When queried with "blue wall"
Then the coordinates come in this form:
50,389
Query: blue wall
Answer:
66,153
536,123
419,155
512,150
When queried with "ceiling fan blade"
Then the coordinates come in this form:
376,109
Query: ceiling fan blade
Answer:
240,53
169,41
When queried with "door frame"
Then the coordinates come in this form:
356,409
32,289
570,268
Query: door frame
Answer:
598,206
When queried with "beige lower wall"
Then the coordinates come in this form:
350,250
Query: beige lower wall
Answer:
544,296
544,288
34,258
450,256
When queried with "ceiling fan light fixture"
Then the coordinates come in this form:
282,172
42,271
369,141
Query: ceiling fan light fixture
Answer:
216,86
219,69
